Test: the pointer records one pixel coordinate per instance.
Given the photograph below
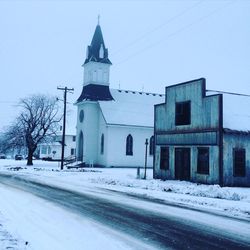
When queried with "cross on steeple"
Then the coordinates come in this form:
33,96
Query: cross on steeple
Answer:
98,19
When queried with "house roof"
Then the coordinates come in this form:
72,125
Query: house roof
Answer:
236,112
93,50
130,108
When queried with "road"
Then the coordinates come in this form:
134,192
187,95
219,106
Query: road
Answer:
120,211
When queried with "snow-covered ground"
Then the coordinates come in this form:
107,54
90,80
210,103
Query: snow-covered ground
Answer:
17,210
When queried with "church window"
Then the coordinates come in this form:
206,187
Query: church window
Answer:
102,144
151,145
101,51
129,145
81,116
89,76
95,75
105,76
182,113
99,75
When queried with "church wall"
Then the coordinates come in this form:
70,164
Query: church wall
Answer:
116,146
89,127
102,157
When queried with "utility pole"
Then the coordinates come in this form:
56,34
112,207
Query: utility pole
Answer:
65,89
146,156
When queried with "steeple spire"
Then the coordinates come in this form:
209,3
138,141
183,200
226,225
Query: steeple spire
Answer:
97,45
96,70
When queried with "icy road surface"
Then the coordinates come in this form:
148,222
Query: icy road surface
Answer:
149,223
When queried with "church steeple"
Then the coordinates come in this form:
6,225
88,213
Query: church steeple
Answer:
96,70
97,52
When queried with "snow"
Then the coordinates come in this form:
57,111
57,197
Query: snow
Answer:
22,225
46,226
236,115
131,108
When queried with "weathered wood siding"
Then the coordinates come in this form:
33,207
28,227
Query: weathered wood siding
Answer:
231,141
204,129
195,138
204,109
212,177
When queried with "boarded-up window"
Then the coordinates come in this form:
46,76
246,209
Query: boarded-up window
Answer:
151,145
203,160
129,145
182,113
239,158
164,160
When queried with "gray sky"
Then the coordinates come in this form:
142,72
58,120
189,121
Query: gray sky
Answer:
151,44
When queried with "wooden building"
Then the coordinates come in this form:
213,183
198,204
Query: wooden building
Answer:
202,136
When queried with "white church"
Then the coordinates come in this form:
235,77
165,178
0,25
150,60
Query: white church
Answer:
112,124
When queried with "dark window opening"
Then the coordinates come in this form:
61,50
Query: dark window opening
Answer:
239,158
74,138
182,113
203,161
102,144
72,151
164,160
151,145
129,145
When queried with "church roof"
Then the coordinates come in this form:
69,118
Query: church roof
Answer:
95,92
97,44
130,108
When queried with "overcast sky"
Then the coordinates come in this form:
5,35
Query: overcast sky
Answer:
151,44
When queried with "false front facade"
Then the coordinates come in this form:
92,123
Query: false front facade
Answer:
197,137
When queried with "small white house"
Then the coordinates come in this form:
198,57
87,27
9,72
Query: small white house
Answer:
112,124
53,148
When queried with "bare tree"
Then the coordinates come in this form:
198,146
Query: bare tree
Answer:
38,119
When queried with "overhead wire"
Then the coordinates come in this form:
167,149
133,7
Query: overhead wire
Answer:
156,28
176,32
229,93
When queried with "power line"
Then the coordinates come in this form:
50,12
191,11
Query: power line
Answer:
176,32
229,93
156,28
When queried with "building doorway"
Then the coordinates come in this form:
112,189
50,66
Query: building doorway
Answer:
182,164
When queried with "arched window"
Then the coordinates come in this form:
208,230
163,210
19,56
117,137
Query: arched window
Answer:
151,145
80,147
129,145
102,144
101,51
